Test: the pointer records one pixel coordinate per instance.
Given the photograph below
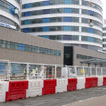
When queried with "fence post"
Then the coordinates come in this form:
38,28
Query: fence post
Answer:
101,71
83,72
90,72
75,70
96,71
55,71
27,71
9,70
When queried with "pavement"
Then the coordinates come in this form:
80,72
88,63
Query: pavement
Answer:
87,97
97,101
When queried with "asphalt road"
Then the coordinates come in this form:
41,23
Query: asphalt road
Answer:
59,99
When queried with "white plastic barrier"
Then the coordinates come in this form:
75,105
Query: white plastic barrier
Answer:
34,88
61,85
81,83
4,86
100,81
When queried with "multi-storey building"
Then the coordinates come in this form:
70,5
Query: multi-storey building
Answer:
72,22
10,14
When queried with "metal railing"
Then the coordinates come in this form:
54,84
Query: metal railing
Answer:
20,71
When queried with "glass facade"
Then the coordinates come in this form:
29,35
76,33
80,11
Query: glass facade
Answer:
91,13
91,4
50,20
88,21
51,28
50,11
91,39
61,37
4,5
28,48
50,2
91,30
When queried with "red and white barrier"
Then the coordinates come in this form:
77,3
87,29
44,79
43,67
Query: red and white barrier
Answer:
3,89
80,83
61,85
100,81
14,90
34,88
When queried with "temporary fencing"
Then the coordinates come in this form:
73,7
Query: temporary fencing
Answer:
61,85
80,83
14,90
17,90
49,86
34,88
72,84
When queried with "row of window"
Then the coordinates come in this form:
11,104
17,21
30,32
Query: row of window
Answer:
4,5
51,28
104,39
53,19
104,34
104,45
50,2
61,37
84,57
91,4
91,39
91,13
61,10
72,37
50,11
91,30
28,48
58,2
104,28
62,28
96,23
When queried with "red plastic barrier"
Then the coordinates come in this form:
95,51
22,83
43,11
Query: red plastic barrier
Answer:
88,82
72,84
49,87
104,81
94,82
17,90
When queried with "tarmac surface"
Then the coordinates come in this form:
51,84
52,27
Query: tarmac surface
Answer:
62,99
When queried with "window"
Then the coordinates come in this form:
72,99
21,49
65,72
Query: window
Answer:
67,28
45,20
21,46
46,11
67,19
46,3
90,30
27,13
67,10
45,29
27,5
26,30
27,22
67,1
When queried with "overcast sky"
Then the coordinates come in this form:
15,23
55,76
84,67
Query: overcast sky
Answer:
104,8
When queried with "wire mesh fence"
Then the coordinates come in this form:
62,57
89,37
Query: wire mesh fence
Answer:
16,71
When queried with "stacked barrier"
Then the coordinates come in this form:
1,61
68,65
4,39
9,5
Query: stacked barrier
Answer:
80,83
94,82
14,90
104,81
3,89
72,84
34,88
88,82
61,85
100,81
49,86
17,90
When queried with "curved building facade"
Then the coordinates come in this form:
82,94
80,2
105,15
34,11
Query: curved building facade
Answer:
10,14
104,36
72,22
